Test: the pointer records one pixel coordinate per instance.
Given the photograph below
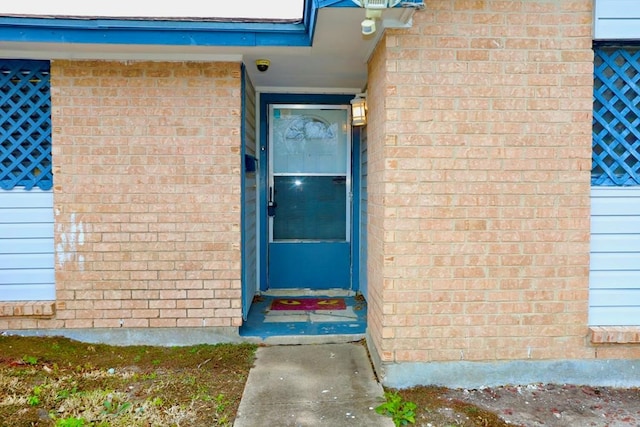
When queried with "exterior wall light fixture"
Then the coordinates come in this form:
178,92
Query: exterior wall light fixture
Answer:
373,12
374,8
359,110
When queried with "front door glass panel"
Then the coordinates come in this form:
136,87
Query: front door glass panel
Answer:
310,208
310,173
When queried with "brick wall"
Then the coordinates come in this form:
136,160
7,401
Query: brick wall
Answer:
376,120
481,128
147,195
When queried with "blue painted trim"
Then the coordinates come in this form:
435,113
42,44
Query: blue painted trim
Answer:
163,32
164,25
311,18
151,33
265,100
263,160
301,98
336,3
355,206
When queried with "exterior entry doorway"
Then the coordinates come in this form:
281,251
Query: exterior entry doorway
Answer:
309,197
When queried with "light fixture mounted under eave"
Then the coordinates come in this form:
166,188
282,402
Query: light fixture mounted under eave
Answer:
373,13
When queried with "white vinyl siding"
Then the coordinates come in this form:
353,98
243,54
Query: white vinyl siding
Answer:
614,282
616,20
26,245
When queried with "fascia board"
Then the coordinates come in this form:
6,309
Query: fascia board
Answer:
160,32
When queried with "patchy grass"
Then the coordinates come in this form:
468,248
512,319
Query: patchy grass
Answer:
434,408
54,381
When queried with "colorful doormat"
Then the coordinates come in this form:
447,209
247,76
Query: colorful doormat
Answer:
308,304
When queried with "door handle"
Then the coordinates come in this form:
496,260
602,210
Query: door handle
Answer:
271,204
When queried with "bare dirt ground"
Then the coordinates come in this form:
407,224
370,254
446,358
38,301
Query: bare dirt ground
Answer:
59,382
530,406
558,405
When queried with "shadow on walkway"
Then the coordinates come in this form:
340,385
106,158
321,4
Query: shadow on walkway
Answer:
312,385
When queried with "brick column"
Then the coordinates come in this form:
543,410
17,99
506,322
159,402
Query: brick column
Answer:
480,144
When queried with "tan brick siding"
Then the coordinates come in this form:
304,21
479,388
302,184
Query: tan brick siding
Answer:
480,137
376,120
147,195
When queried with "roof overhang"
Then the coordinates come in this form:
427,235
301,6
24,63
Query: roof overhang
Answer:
156,31
325,50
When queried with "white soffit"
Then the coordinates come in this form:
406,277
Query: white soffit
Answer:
338,57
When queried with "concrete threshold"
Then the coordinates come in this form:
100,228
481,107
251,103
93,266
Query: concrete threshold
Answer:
305,292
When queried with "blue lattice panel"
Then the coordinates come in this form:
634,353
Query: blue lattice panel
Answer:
25,123
616,117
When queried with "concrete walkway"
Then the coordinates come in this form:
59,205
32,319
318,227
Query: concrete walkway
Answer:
312,385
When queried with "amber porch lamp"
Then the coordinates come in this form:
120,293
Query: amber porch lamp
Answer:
358,111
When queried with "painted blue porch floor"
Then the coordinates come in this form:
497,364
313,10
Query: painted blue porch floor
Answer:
265,323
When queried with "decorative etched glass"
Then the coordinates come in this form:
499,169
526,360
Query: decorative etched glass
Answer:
306,142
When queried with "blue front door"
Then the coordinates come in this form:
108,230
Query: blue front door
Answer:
309,197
